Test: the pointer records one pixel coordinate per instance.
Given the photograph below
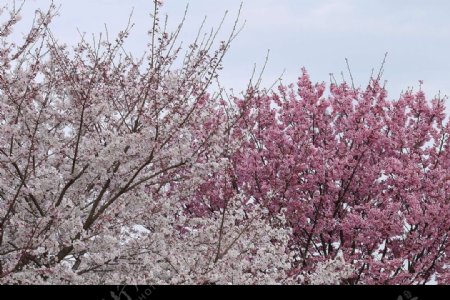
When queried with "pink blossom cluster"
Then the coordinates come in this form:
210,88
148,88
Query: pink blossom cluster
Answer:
351,172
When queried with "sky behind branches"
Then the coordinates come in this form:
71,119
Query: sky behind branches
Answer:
317,34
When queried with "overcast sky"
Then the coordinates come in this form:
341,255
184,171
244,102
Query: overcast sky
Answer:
317,34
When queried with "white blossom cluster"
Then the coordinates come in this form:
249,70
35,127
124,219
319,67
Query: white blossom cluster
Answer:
331,272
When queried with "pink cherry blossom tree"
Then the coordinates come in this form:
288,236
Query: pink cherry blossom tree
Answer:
352,173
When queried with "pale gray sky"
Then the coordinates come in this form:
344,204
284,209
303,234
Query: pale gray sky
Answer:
317,34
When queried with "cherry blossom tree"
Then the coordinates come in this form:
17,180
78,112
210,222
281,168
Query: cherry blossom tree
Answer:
91,139
353,173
